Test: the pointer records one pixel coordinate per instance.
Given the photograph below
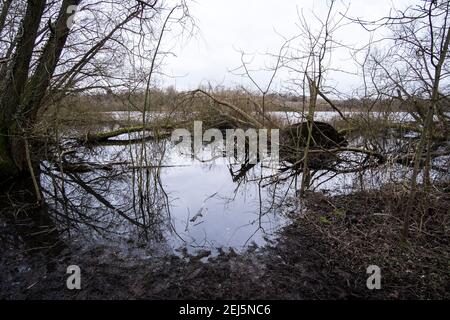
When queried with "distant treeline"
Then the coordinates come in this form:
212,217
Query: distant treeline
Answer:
169,99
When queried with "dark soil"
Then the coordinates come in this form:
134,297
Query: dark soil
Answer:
323,254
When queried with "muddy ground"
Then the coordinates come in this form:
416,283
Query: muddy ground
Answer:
323,254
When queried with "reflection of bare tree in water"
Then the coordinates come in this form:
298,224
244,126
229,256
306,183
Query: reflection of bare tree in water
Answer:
126,197
150,201
330,156
121,199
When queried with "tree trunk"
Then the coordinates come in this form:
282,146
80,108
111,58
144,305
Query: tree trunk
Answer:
7,166
306,176
40,81
12,150
20,104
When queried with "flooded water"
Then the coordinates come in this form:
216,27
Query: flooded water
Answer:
293,117
156,197
286,116
179,201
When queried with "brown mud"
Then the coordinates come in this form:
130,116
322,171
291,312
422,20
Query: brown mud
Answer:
322,254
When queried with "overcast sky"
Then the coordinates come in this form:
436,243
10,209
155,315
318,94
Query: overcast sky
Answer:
255,26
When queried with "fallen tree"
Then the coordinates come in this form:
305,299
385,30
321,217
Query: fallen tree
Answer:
105,136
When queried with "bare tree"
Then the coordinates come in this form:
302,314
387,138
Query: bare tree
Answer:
415,70
308,62
50,57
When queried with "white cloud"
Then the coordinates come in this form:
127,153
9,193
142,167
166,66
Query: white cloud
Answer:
252,26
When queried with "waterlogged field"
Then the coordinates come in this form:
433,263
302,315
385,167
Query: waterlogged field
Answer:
157,196
288,116
116,184
143,215
178,201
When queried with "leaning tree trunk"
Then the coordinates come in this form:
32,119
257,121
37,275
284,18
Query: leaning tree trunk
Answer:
12,153
20,103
